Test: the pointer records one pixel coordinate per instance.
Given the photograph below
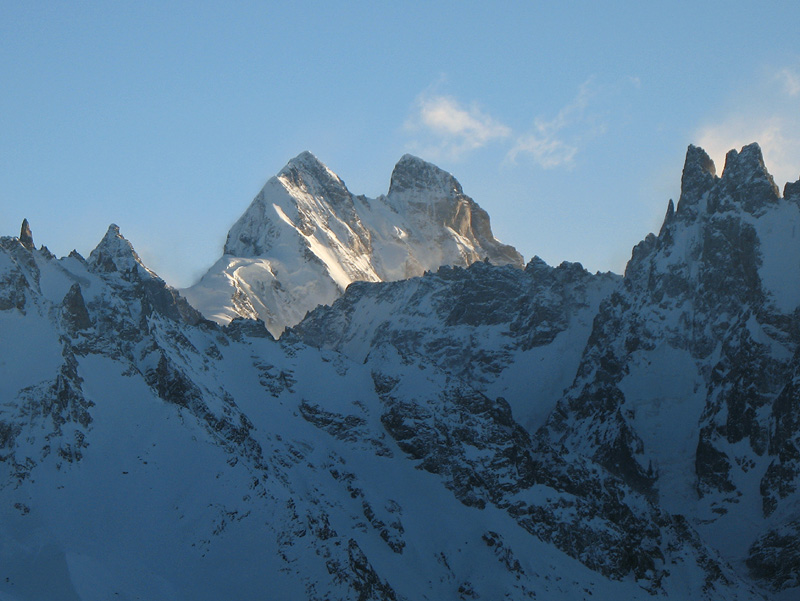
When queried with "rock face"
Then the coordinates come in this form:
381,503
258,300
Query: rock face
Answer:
306,237
137,438
684,383
506,331
687,386
25,235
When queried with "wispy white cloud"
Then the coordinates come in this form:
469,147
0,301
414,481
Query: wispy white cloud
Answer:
790,79
450,128
769,115
442,126
555,142
547,151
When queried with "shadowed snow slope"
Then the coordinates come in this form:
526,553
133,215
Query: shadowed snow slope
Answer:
681,378
688,386
148,453
305,238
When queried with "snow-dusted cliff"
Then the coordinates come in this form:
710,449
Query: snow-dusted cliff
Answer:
305,238
680,378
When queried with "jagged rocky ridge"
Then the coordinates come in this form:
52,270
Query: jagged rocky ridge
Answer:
686,388
477,433
684,385
147,452
497,328
306,237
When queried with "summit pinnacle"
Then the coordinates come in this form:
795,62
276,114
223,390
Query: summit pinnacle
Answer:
25,235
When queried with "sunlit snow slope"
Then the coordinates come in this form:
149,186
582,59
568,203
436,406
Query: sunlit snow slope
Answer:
305,238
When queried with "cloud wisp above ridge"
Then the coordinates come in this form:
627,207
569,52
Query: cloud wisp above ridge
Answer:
554,142
450,129
769,115
790,78
442,126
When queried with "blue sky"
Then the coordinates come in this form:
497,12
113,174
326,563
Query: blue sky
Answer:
567,122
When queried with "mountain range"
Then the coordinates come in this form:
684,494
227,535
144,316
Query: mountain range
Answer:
435,420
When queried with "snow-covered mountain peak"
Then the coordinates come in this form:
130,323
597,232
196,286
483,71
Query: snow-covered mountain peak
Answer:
306,237
306,196
306,159
309,163
306,172
433,200
537,264
745,184
567,270
745,164
115,254
717,226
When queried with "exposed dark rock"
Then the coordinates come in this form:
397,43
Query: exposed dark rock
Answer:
782,478
791,191
775,558
166,301
240,328
712,467
439,435
73,310
746,182
699,175
25,236
350,428
13,286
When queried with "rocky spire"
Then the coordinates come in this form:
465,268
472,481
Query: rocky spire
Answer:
746,183
668,218
73,310
25,235
699,174
791,191
745,165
